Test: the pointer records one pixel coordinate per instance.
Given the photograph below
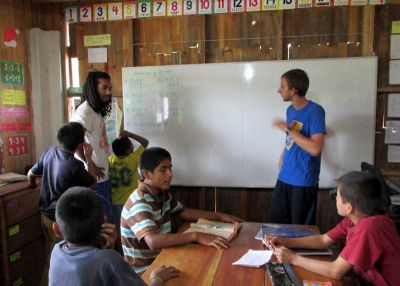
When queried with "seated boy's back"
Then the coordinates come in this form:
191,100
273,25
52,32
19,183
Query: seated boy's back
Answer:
89,266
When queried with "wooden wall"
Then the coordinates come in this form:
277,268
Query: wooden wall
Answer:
312,33
22,15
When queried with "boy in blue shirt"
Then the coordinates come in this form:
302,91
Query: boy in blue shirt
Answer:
81,258
295,196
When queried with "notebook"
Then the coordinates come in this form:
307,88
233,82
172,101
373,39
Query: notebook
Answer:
224,229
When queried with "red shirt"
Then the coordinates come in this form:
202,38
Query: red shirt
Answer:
372,247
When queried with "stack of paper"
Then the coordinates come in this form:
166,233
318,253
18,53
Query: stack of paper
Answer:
254,258
12,177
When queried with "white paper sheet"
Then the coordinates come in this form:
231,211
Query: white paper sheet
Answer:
392,132
394,72
254,258
393,109
97,55
393,154
395,46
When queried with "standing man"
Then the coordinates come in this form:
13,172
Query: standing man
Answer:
94,106
294,199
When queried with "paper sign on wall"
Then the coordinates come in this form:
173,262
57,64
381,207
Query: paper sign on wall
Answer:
17,145
287,4
85,13
14,112
144,9
97,40
269,5
189,7
159,8
15,126
205,7
220,6
130,10
174,8
115,11
11,73
395,27
71,14
13,97
97,55
253,5
100,12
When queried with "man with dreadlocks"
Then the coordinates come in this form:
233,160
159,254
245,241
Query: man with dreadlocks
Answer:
95,105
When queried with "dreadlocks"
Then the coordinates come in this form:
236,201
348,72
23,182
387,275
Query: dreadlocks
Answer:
90,93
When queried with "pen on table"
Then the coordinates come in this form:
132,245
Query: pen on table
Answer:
268,244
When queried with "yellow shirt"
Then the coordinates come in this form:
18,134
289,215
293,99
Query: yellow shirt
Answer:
124,175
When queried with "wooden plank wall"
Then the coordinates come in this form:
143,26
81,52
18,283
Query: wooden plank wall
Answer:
23,15
312,33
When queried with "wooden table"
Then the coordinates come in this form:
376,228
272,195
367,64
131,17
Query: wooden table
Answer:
203,266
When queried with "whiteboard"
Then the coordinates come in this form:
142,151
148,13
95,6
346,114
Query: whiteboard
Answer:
215,119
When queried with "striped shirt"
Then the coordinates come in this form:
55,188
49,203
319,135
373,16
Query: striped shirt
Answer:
145,213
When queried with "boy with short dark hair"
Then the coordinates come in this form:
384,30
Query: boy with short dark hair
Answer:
372,242
80,259
124,174
146,217
60,170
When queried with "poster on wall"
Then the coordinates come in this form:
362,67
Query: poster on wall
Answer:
11,73
17,145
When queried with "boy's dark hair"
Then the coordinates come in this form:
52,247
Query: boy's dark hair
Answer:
297,79
152,157
364,191
70,135
91,95
121,146
79,215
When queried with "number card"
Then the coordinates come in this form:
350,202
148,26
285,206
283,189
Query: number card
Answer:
358,2
189,7
237,6
340,2
144,9
304,3
322,3
71,14
85,13
220,6
253,5
159,8
115,11
100,12
205,7
287,4
269,5
130,10
17,145
11,73
174,7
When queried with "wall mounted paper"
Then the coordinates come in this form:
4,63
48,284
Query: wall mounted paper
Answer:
97,55
395,46
392,132
97,40
393,154
394,72
393,107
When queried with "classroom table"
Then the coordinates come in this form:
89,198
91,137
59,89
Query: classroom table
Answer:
202,265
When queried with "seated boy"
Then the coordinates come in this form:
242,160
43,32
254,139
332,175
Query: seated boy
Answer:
124,174
146,217
80,258
372,243
60,170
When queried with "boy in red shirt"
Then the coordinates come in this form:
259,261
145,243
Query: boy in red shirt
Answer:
372,243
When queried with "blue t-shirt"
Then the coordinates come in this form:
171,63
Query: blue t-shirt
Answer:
60,171
299,167
86,265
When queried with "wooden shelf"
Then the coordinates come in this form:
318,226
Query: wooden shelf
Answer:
389,88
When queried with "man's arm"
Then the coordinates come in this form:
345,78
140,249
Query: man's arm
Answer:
336,269
143,141
32,178
312,145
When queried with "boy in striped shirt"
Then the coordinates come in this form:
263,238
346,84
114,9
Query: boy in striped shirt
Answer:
146,217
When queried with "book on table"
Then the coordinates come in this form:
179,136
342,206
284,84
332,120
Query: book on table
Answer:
223,229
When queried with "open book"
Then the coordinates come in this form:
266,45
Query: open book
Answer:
224,229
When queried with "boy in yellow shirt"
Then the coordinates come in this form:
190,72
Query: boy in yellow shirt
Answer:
124,174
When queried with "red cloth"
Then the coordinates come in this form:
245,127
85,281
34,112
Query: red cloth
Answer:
372,247
9,34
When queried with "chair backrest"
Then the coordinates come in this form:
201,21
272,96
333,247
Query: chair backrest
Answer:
386,191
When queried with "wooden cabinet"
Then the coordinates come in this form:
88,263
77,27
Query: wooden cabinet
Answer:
22,245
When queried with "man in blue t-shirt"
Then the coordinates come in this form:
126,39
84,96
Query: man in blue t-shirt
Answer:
295,196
